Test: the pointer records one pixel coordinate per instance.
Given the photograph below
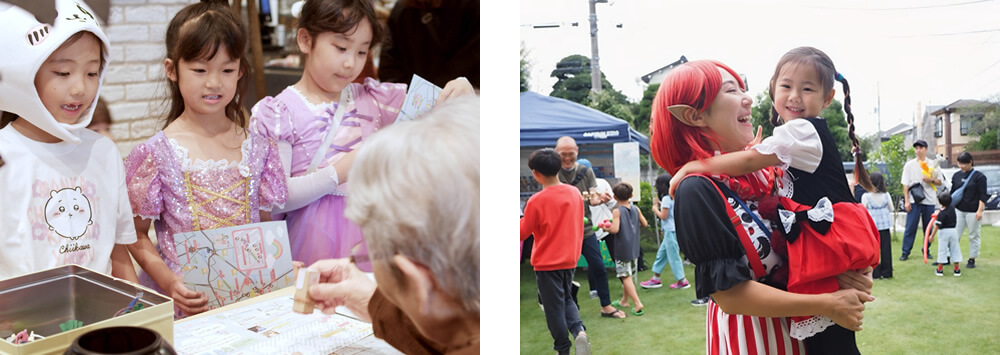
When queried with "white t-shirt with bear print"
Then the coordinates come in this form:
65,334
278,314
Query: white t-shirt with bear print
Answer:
62,203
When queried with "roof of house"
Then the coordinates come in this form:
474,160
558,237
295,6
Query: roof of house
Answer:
963,103
647,77
897,129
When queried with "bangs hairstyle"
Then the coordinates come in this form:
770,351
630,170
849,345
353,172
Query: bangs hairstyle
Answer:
438,227
662,186
695,84
197,32
7,117
340,16
823,65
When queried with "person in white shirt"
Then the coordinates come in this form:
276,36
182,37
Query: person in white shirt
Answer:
924,171
62,185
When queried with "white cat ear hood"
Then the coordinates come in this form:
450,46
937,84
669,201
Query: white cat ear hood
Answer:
27,44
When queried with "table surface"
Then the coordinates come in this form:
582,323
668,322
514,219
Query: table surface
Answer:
368,345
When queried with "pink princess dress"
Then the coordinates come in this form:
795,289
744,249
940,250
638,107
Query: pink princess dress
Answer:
319,230
181,195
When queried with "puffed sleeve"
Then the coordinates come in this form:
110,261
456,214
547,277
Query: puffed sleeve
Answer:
707,237
142,176
271,118
387,98
796,144
273,185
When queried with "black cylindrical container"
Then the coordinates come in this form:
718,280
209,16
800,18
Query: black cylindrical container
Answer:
120,340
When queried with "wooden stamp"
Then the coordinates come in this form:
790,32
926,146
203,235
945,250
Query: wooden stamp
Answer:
304,279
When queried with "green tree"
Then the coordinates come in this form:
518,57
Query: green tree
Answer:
760,114
836,119
608,102
525,69
987,128
644,110
894,153
573,80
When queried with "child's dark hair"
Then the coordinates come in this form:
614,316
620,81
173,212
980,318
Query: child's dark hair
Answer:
965,158
101,114
944,198
823,65
7,117
662,185
339,16
622,191
546,161
878,181
196,33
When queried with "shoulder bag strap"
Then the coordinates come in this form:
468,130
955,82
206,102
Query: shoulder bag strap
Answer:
751,251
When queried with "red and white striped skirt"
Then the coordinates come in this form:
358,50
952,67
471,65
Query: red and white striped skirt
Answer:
739,334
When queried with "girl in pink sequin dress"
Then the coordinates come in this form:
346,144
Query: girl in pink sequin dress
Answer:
204,170
320,122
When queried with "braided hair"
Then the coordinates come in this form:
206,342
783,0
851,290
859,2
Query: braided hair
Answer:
823,65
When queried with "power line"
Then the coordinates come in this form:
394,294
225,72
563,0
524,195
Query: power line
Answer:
904,8
949,34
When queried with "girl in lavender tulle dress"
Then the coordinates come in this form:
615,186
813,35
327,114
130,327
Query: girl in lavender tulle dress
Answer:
320,122
204,170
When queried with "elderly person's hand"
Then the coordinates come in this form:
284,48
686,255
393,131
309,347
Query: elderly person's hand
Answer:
342,284
455,88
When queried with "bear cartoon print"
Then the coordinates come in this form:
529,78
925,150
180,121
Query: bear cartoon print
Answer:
68,213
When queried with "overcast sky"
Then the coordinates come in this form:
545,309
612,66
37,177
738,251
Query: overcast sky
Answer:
910,52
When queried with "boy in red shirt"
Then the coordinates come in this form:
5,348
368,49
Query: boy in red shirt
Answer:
555,217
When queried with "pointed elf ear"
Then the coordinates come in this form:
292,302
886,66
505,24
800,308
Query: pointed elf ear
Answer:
687,115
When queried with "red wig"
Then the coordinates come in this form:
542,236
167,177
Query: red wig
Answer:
695,84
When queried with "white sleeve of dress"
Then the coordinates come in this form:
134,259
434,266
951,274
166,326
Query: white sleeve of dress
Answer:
304,189
796,144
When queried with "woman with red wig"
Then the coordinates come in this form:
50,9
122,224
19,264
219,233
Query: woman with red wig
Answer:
702,110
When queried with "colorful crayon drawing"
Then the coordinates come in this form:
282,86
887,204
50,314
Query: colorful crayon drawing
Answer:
235,263
420,98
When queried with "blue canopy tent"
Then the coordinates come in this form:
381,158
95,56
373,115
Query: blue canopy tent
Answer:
544,119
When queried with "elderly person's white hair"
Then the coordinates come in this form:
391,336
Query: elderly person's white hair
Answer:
414,190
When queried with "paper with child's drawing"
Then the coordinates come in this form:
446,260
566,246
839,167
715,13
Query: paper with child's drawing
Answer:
235,263
420,98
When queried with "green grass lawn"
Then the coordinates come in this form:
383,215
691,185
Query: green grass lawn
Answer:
916,312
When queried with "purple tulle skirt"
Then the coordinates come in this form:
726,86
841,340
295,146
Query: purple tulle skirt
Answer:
320,231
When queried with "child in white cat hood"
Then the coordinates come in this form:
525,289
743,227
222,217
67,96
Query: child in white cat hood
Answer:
63,186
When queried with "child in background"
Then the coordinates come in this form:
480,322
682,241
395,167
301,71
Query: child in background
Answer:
63,186
555,217
625,227
948,236
663,208
879,205
102,120
322,120
843,237
204,170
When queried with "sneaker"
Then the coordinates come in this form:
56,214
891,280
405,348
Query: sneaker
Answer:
971,264
652,283
958,272
938,272
903,257
593,294
582,345
700,302
683,283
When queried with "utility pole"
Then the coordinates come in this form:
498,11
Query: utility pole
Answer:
878,109
595,67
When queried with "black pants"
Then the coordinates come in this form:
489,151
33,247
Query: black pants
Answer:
561,314
596,274
884,268
835,340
